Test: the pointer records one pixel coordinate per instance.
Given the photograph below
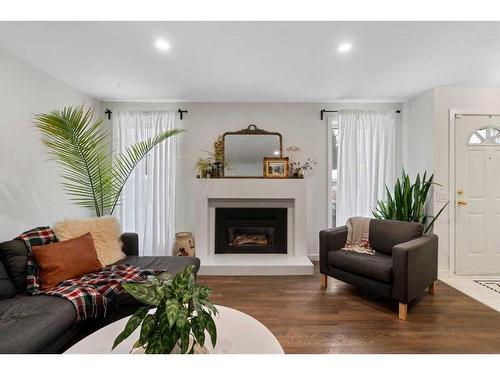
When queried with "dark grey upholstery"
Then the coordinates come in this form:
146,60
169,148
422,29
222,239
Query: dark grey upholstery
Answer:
171,265
404,265
377,267
130,243
13,254
7,288
384,234
28,324
45,324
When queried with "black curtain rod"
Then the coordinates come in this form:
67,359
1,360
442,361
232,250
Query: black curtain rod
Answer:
323,111
180,111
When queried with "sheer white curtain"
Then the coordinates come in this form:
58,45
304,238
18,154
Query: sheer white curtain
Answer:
148,202
366,161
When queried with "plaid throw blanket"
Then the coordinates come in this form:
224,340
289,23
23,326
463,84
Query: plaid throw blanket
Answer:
90,294
93,293
35,237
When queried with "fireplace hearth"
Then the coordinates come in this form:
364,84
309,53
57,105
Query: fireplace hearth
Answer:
245,230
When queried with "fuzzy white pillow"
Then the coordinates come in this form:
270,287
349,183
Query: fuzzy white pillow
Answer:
105,232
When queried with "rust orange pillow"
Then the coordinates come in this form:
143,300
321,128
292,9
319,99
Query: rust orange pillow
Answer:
59,261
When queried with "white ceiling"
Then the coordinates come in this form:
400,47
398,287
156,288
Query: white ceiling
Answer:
259,61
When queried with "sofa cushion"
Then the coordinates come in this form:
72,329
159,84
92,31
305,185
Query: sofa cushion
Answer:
105,231
377,267
384,234
7,288
28,324
171,264
14,253
59,261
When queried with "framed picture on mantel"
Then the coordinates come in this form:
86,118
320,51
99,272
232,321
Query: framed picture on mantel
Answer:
275,167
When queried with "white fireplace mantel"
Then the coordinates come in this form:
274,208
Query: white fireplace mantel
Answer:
242,192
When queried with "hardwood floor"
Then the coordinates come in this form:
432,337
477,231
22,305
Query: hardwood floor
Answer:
343,319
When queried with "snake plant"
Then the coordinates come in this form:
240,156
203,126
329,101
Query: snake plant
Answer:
81,146
407,202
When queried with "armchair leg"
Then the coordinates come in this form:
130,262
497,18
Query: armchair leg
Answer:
324,280
432,288
403,311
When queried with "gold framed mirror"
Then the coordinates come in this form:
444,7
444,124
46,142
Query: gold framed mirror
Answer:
245,150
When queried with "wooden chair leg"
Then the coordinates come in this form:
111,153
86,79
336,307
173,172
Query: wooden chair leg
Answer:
432,288
403,311
324,280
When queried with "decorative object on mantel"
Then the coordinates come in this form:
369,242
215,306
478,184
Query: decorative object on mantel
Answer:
183,314
184,244
276,167
213,165
298,168
245,149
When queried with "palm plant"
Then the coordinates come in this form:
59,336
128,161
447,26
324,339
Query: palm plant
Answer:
81,146
407,203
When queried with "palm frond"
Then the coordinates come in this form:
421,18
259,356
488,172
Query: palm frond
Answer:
126,161
81,147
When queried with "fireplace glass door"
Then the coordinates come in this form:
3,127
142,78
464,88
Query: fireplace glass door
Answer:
250,230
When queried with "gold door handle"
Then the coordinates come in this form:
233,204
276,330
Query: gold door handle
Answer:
461,203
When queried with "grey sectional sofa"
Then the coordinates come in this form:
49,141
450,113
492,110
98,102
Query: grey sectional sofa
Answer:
46,324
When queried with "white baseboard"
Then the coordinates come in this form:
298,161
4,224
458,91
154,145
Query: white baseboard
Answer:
313,257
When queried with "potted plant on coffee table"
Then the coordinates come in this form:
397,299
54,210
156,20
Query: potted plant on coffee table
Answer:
176,315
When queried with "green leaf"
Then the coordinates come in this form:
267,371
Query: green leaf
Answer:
172,306
210,327
185,339
209,306
198,329
147,327
182,317
132,324
145,293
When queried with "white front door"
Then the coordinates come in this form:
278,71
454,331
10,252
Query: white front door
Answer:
477,195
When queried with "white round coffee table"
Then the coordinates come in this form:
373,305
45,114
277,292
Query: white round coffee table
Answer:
237,333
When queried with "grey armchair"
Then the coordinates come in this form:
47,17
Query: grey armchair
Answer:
404,265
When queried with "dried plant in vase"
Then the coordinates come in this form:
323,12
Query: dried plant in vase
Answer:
298,169
176,315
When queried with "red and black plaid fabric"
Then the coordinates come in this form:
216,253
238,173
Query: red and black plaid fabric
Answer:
92,294
35,237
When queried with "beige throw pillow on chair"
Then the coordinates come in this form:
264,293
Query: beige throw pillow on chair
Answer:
105,232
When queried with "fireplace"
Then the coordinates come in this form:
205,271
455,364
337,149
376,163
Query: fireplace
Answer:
250,230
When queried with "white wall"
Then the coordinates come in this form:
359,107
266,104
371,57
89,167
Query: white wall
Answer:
426,144
299,124
447,98
30,192
418,134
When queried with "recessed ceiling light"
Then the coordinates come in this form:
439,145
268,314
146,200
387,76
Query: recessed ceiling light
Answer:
162,45
344,47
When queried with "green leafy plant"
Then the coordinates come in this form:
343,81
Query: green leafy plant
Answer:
407,203
81,146
183,314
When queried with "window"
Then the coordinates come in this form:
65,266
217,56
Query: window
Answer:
333,147
485,136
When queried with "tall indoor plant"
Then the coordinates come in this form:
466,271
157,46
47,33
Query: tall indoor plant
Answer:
407,202
81,146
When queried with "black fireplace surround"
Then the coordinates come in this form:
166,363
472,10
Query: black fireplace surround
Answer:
245,230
